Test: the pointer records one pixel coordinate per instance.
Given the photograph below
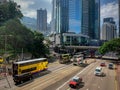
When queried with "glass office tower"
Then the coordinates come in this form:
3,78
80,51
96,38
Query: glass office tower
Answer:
75,16
119,15
62,16
91,18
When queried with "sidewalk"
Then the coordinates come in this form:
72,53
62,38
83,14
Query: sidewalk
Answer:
118,76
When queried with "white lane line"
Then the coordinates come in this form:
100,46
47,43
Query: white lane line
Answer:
74,76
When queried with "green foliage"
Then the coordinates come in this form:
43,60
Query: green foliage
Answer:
113,45
9,10
39,49
16,36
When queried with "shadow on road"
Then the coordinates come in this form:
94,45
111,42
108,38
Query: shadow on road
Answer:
81,85
35,76
83,65
24,83
40,74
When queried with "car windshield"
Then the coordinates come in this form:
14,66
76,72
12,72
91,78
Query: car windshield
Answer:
98,70
111,64
76,80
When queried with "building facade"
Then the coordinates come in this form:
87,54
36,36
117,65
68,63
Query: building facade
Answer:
3,1
62,16
109,29
53,21
70,39
42,20
119,15
75,16
91,18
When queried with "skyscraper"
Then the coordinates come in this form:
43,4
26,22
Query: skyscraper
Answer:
119,15
42,20
53,21
91,18
75,16
109,30
3,1
62,16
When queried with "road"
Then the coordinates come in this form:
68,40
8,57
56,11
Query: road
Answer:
92,82
52,68
55,71
58,75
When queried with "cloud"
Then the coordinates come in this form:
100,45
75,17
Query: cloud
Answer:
109,10
29,7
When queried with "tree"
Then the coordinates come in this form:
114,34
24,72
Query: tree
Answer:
112,45
9,10
38,49
19,37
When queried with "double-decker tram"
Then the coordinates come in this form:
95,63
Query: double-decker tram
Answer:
1,60
24,70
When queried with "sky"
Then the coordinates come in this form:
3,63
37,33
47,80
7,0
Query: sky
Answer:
29,7
109,8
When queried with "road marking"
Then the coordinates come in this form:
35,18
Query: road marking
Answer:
87,89
74,76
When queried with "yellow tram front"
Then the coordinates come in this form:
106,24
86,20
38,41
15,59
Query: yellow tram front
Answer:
25,69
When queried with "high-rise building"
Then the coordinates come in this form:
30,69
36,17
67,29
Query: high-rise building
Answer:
119,15
3,1
42,20
62,16
53,21
91,18
75,16
109,30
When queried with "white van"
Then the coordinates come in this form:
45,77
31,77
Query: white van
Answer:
98,71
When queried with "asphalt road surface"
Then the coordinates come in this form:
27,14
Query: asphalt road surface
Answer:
92,82
58,76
